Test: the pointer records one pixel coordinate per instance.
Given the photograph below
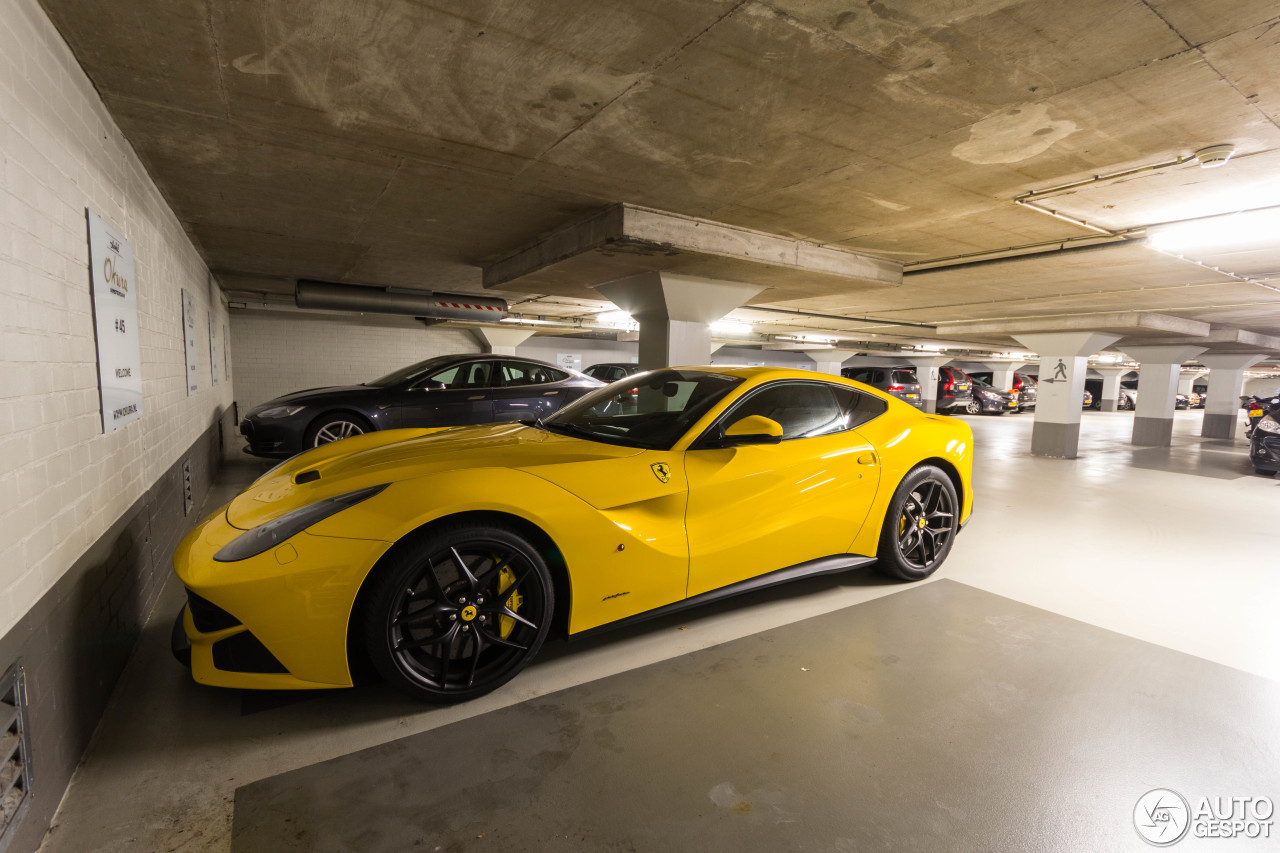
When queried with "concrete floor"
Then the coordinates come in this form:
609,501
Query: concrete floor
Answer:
1159,544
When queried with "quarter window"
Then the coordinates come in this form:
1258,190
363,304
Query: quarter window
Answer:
516,373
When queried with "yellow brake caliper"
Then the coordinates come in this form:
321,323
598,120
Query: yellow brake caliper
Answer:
505,623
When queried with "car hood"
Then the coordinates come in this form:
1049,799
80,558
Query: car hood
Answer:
312,395
389,456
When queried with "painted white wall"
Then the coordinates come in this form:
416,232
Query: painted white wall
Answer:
1262,385
277,352
62,482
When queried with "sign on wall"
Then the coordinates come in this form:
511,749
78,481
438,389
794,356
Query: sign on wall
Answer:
213,348
226,353
115,315
189,333
571,360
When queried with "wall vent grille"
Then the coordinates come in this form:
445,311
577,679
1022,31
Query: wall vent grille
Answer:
15,754
188,492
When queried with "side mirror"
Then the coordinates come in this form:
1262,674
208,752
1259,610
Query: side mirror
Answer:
430,385
753,429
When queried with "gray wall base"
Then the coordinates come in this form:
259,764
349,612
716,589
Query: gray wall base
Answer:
1057,440
75,641
1109,405
1153,432
1219,426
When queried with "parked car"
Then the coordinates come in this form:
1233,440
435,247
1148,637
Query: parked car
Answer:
955,389
1264,438
901,382
1023,387
1088,400
611,371
1128,398
989,400
1195,400
444,557
1181,401
451,390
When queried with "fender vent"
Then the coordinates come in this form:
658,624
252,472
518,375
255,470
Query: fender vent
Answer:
15,754
307,476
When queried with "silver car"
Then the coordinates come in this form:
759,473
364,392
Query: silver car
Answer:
901,382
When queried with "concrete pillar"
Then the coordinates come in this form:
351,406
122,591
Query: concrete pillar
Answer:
1186,381
1064,359
675,313
500,341
1002,373
1158,376
927,373
1110,386
1226,386
829,359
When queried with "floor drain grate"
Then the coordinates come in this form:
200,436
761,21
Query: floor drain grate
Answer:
15,753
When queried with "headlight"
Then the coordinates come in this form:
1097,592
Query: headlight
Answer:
266,536
279,411
1269,424
988,395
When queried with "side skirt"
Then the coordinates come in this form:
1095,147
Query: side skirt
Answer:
821,566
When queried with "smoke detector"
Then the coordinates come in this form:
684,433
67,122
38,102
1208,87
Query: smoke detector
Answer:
1215,156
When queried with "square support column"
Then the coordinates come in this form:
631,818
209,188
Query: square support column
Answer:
1226,386
829,360
497,341
928,374
1110,386
675,313
1064,359
1002,373
1158,374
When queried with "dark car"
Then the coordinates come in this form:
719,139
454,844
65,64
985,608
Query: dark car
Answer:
901,382
611,371
1023,387
989,400
451,390
955,389
1264,443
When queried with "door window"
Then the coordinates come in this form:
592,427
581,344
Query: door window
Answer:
803,409
472,374
516,373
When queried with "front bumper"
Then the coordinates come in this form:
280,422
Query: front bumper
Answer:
997,405
277,621
272,438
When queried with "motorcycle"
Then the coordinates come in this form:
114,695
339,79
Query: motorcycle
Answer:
1257,408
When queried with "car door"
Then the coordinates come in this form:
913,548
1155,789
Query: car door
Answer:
525,390
455,396
758,508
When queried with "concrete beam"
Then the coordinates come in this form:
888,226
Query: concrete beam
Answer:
1225,340
1119,323
626,239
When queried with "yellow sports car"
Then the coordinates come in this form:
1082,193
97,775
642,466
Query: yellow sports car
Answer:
441,557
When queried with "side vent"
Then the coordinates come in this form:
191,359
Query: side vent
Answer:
15,754
188,493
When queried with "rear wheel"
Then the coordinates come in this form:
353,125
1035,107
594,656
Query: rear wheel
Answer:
460,613
920,525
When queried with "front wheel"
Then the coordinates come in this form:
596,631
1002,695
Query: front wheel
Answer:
335,426
920,525
458,614
973,407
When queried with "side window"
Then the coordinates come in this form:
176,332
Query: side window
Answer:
904,377
860,374
858,407
473,374
804,409
878,378
516,373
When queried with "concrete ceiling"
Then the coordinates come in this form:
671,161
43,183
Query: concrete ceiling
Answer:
409,143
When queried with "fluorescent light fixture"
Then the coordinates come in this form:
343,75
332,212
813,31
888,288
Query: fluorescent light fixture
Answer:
1219,233
614,318
731,327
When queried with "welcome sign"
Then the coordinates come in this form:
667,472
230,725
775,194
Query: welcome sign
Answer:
115,314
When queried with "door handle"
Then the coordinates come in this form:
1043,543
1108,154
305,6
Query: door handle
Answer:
476,397
867,459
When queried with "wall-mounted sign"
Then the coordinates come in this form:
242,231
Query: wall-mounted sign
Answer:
115,315
571,360
214,354
189,333
226,352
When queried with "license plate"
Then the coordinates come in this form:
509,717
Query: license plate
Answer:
1255,413
1013,402
912,396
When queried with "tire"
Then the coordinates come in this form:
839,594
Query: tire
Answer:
909,550
335,426
973,407
458,613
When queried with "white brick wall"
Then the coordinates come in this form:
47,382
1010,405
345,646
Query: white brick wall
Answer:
276,352
62,482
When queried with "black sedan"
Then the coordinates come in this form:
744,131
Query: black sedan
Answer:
989,400
450,390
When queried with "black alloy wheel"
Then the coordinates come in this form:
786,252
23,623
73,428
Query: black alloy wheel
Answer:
459,614
973,407
920,525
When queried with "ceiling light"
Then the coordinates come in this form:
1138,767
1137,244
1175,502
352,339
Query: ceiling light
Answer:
1215,156
1220,232
730,327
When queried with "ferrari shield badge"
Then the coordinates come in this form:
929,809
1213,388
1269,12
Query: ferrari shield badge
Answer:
662,471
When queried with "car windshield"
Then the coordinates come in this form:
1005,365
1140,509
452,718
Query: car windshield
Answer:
668,402
411,373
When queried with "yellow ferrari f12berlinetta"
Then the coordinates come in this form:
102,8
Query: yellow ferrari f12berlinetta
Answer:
444,557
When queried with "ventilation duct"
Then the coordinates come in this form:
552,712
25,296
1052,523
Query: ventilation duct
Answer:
393,300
